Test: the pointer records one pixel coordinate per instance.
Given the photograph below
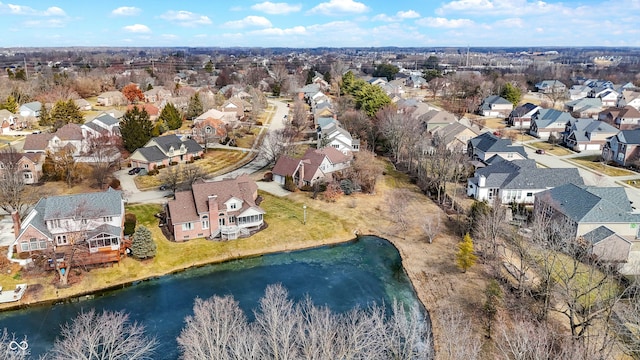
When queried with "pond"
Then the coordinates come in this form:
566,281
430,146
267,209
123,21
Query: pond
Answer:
341,276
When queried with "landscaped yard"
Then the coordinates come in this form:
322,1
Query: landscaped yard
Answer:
213,162
593,162
551,149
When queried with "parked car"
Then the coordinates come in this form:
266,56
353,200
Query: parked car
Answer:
540,151
135,170
163,187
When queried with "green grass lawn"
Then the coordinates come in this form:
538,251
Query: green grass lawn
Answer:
593,162
214,161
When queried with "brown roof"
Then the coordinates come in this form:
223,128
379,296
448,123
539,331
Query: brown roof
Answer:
628,112
334,155
36,142
188,204
70,132
285,166
151,109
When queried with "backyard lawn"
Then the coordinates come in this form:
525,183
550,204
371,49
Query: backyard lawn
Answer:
593,162
213,162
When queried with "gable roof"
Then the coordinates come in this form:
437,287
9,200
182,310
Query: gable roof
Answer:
36,142
591,204
496,99
488,142
285,165
629,136
70,132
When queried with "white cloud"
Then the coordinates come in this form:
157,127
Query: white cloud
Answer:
137,28
339,7
276,8
186,18
296,30
399,16
249,21
26,10
50,23
126,11
409,14
510,23
444,23
169,36
502,7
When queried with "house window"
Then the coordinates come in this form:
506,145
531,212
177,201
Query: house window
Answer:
232,219
61,240
84,221
24,246
187,226
205,223
28,176
356,147
529,194
55,223
107,219
335,146
233,206
26,166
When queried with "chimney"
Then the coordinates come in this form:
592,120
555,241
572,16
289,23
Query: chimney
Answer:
482,181
16,223
301,174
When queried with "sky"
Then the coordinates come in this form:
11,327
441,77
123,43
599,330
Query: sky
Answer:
318,23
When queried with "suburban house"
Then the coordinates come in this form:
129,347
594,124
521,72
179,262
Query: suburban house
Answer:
629,97
495,106
82,104
237,105
606,245
609,115
520,117
226,117
455,136
486,145
27,165
209,130
165,151
331,134
151,109
579,91
551,86
586,209
157,94
31,109
517,181
111,98
315,165
67,137
585,107
628,118
89,225
547,122
102,125
434,119
608,96
7,119
623,148
588,134
225,209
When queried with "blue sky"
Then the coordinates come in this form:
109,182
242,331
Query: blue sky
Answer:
313,23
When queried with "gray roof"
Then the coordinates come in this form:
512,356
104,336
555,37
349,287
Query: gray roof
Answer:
493,99
152,153
523,109
524,174
98,204
545,117
591,204
34,106
488,142
105,229
107,119
598,234
629,136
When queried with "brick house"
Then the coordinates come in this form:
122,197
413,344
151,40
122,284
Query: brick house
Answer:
164,150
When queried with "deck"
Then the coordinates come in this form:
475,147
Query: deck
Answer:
12,295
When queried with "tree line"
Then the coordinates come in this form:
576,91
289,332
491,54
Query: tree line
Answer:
219,329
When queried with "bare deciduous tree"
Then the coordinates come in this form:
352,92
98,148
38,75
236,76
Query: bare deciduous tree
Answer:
14,194
108,335
525,340
431,226
489,226
457,339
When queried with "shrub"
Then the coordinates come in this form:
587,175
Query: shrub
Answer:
130,221
153,172
289,184
161,166
172,163
347,186
258,123
333,192
114,183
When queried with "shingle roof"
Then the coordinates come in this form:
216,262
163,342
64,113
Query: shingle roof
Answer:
98,204
591,204
488,142
624,136
152,153
285,166
598,234
70,132
36,142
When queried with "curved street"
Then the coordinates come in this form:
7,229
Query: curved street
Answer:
133,195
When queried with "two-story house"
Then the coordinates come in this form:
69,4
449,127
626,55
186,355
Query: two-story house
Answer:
68,137
164,151
315,165
551,86
623,148
520,117
517,181
548,122
588,134
26,166
495,106
225,209
330,133
89,225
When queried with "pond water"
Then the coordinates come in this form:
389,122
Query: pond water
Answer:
341,276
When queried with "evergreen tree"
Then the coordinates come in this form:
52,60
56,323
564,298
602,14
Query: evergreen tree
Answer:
149,86
386,70
10,104
171,117
310,74
195,108
143,246
289,184
327,77
465,257
511,93
45,118
65,112
493,295
135,129
208,67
